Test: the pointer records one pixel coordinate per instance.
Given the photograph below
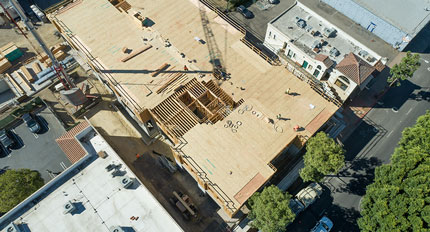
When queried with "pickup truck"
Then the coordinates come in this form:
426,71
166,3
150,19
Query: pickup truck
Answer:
309,195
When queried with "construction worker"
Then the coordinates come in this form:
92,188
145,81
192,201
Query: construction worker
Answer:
287,91
185,68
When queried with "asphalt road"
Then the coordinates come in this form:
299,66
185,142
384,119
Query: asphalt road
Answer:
370,145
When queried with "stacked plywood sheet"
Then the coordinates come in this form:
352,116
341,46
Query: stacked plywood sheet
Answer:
4,65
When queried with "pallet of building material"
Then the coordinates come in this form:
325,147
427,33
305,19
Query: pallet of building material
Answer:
135,53
12,53
43,57
24,80
4,65
18,87
36,67
173,79
57,48
160,69
27,74
60,55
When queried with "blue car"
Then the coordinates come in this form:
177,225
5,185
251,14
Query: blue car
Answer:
324,225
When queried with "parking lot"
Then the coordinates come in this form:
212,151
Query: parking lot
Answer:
263,12
36,151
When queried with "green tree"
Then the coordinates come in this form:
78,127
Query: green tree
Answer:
16,185
405,69
269,210
323,156
399,198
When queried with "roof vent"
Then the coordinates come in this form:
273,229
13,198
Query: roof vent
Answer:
126,181
69,207
329,32
12,228
334,52
363,53
116,229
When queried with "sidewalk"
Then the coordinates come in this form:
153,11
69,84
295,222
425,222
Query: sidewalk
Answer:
355,110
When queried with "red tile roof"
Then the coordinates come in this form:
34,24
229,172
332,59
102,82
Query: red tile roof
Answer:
325,59
355,68
70,145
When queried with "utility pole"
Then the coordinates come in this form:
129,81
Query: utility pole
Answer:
61,73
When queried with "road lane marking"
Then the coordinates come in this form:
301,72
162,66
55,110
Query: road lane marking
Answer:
389,133
409,111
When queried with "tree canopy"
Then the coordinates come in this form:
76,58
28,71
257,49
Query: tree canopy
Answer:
269,210
323,156
399,198
405,69
16,185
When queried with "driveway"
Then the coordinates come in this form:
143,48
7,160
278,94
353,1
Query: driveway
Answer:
369,146
264,12
37,151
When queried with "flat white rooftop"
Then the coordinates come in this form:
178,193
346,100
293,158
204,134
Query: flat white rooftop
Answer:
101,201
408,15
312,33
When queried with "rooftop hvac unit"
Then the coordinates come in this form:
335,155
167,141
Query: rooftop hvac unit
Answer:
126,181
12,228
116,229
316,44
69,207
334,52
308,28
301,23
327,32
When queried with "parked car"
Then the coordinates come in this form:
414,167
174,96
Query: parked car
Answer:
245,12
32,124
273,1
323,225
5,139
308,195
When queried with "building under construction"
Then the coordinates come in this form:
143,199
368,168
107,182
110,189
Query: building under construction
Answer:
190,78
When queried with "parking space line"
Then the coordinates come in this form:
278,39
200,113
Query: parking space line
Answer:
63,165
36,135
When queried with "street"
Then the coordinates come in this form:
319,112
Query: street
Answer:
370,145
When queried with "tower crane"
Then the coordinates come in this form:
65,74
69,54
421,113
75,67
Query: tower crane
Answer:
61,73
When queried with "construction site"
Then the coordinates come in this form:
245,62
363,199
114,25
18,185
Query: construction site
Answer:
192,80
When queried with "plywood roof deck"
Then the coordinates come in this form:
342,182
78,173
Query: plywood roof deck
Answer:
237,161
104,31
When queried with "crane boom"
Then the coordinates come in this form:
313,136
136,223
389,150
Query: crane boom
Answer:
57,66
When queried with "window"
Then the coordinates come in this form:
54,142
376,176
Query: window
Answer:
319,67
310,67
346,80
270,34
316,72
342,82
274,36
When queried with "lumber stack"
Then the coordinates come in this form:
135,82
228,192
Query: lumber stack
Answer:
18,87
23,79
135,53
36,67
27,74
4,65
161,68
11,52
